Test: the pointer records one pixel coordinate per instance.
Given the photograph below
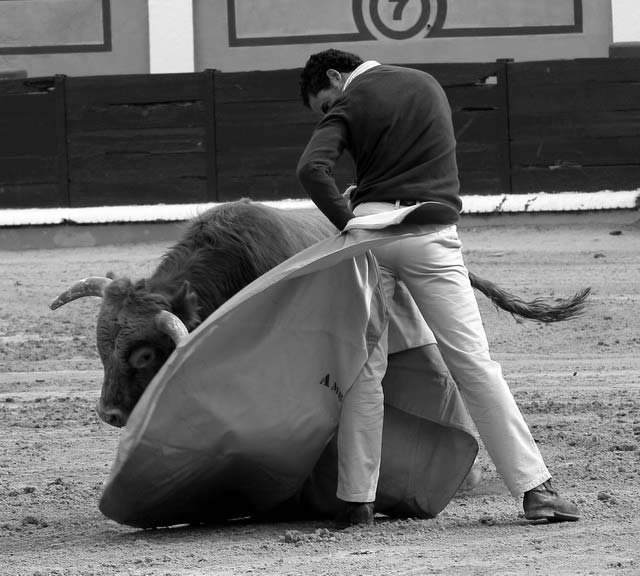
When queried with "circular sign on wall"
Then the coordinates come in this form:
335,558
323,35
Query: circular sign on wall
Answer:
398,19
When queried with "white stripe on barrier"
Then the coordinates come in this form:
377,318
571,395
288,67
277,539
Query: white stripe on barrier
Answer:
496,204
548,202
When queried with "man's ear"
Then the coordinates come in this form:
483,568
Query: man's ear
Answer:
335,78
184,304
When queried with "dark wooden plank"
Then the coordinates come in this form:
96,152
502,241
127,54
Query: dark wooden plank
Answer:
557,98
29,195
271,160
27,169
476,155
84,117
480,182
117,168
576,124
269,113
32,146
62,159
211,145
135,89
257,129
478,126
184,190
155,141
276,186
583,179
503,128
585,71
470,98
21,86
243,138
460,74
28,124
569,151
269,174
624,50
258,86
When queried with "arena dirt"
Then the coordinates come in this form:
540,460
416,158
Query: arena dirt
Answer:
578,384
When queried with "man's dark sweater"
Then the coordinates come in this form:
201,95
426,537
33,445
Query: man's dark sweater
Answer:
396,124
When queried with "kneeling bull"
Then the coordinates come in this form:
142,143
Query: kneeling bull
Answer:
221,251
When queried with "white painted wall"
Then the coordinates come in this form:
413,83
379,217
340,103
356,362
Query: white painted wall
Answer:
171,36
626,20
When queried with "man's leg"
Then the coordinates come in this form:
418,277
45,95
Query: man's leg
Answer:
360,439
432,268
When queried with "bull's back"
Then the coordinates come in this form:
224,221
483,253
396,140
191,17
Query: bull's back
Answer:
227,247
307,226
283,232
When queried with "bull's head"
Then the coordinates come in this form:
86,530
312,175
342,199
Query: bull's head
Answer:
136,332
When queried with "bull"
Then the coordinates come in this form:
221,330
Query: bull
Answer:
221,251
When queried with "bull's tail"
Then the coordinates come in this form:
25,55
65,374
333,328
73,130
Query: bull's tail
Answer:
538,309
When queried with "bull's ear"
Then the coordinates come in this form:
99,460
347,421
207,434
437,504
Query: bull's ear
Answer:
185,305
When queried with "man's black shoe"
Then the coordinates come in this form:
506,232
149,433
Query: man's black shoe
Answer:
544,503
355,513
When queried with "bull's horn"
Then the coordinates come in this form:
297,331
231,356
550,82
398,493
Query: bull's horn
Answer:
92,286
171,325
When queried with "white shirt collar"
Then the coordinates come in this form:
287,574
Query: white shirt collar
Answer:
360,70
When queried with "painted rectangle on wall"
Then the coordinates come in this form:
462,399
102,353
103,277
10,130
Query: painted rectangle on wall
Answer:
480,15
255,19
260,23
54,26
244,35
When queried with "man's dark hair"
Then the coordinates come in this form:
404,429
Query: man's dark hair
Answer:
314,76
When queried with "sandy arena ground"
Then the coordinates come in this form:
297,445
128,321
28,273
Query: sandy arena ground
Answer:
577,383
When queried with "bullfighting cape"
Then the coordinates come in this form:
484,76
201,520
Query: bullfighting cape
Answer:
240,421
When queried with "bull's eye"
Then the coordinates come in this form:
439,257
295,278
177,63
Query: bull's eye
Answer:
142,357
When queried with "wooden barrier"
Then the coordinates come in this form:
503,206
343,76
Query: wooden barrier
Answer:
140,139
575,125
212,136
33,167
261,130
477,94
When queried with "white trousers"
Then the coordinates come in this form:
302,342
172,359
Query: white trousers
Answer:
360,431
432,268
